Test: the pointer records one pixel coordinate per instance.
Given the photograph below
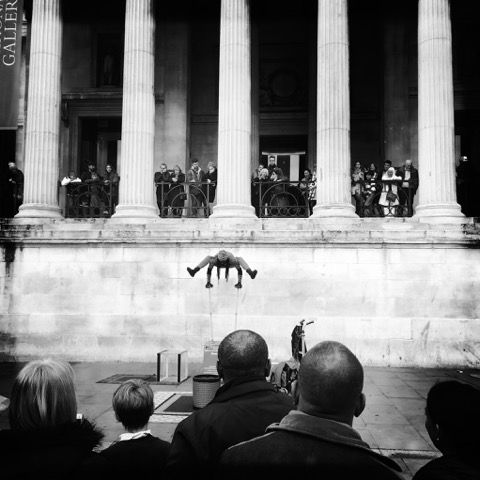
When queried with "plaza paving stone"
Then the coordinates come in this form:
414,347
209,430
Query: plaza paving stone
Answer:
392,423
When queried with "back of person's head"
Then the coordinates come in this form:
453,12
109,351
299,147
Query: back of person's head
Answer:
330,382
43,396
243,353
453,418
133,404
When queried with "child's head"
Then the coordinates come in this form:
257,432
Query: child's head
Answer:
133,404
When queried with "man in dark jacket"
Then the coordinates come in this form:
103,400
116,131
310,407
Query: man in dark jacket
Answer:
241,409
317,439
409,175
163,181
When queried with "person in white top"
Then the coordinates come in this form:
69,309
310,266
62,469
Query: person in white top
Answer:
389,196
70,178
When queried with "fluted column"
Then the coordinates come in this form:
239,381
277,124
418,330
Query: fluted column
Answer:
43,113
333,112
436,132
138,113
234,113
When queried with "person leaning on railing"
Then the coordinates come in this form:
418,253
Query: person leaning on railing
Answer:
176,193
162,180
389,197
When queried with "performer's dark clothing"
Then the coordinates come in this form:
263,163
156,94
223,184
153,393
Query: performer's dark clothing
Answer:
241,409
306,446
144,457
297,343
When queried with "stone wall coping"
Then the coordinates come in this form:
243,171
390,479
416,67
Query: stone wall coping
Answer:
362,232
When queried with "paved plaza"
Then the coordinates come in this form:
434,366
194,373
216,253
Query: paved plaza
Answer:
392,423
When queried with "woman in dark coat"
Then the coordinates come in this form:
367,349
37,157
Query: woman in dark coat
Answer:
176,193
46,440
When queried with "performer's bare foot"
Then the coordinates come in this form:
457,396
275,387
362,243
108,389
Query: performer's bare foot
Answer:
238,285
252,273
208,285
192,271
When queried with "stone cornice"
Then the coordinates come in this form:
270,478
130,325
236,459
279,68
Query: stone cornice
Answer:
371,233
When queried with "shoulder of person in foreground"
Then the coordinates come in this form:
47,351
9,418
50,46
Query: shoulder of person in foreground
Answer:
445,468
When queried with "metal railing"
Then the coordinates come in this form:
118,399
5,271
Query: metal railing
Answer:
186,199
90,200
282,199
389,200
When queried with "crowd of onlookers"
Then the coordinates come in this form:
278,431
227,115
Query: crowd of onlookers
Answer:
387,192
390,192
197,198
250,429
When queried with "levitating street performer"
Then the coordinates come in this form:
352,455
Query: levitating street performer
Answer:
226,260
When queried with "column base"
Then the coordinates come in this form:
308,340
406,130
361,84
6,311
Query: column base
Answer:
233,210
38,210
439,213
135,212
334,211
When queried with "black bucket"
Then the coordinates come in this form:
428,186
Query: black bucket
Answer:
204,389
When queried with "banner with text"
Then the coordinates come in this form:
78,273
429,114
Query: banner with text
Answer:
11,15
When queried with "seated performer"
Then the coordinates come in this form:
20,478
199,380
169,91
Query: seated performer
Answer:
223,259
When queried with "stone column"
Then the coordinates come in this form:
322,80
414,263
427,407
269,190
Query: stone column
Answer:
333,112
234,113
43,113
138,113
436,133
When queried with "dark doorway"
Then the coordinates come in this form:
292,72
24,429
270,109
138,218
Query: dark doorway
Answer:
467,131
99,143
7,147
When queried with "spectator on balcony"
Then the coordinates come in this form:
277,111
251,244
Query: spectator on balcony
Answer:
371,188
211,177
465,186
197,191
163,180
259,187
386,165
87,176
308,188
71,178
176,193
276,196
452,422
358,181
389,196
111,176
111,180
272,165
256,172
15,182
409,175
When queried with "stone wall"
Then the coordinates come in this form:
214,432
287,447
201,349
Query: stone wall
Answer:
395,293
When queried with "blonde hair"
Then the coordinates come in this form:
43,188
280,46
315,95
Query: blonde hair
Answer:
43,395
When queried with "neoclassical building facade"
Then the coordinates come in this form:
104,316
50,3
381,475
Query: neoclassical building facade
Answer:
322,84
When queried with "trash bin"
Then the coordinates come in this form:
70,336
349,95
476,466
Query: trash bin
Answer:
204,388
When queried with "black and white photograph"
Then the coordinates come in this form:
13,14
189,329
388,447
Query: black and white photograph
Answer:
240,239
